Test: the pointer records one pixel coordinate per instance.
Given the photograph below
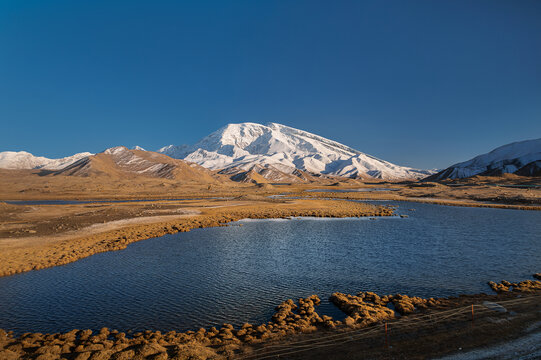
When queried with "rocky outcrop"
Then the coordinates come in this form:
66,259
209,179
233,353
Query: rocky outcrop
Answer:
367,308
363,309
530,169
526,286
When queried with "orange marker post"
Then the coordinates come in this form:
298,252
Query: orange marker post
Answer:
386,336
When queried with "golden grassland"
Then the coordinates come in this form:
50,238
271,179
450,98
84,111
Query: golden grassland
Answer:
30,185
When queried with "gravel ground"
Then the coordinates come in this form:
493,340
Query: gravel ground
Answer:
527,347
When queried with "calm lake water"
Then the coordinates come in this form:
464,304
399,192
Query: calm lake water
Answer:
239,274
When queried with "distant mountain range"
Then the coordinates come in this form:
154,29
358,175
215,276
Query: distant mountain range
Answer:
250,152
277,151
521,158
121,162
25,160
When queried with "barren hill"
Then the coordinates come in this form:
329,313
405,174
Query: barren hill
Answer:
121,162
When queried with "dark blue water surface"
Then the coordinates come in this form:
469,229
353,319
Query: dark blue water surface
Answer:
240,273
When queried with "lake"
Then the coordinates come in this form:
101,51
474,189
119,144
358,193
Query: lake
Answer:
239,273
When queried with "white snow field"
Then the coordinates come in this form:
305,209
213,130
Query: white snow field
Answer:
285,148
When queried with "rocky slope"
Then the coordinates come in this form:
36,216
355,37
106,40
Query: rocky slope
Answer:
521,158
285,151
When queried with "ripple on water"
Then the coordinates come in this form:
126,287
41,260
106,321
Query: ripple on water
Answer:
239,274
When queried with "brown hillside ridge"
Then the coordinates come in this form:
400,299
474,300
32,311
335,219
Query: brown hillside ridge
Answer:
249,177
121,162
417,328
273,174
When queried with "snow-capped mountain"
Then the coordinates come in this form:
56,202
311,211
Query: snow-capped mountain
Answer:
286,149
519,157
25,160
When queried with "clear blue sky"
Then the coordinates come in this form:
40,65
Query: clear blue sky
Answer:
419,83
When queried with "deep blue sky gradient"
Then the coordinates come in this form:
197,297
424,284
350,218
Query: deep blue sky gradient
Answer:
418,83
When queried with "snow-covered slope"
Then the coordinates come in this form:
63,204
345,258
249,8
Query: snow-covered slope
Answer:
510,158
281,147
25,160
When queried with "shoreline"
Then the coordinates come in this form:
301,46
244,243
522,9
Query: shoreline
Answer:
296,329
435,201
306,195
34,253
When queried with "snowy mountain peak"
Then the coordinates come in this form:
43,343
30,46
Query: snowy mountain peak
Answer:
234,135
510,158
246,145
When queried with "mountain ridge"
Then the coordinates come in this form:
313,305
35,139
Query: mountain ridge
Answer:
120,161
245,145
18,160
519,157
277,153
